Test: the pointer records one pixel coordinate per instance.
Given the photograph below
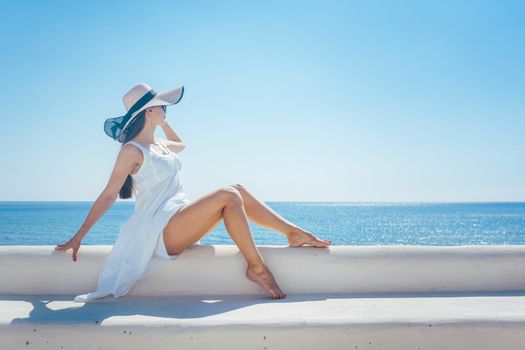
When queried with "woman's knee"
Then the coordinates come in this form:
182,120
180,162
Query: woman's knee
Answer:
239,187
230,195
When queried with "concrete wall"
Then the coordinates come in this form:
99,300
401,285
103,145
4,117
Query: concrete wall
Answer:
465,297
219,270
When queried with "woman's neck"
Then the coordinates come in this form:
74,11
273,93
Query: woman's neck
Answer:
146,136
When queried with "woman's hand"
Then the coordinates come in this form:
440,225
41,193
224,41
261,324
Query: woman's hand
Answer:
73,243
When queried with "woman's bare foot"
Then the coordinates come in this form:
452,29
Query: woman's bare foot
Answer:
261,275
298,237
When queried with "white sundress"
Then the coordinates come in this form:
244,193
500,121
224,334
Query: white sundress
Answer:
139,249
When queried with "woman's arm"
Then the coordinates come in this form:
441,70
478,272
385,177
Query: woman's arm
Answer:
127,158
173,142
101,205
170,133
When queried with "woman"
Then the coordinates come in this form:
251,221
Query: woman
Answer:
165,221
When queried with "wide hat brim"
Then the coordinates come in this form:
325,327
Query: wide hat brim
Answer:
166,98
115,127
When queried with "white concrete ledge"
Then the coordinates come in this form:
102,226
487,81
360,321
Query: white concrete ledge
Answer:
308,321
220,270
343,297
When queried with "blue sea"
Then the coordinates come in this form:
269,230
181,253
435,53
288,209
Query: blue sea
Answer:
50,223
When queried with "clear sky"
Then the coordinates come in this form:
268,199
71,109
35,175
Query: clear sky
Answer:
387,101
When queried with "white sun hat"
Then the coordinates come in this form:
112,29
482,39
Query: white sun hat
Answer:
140,97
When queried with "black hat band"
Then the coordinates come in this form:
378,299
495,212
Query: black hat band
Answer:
148,96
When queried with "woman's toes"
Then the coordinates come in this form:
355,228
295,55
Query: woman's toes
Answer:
302,237
320,243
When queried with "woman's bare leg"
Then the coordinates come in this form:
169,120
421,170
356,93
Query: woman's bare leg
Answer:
262,215
236,223
199,217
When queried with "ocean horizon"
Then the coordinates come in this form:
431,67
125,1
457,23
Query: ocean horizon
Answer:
345,223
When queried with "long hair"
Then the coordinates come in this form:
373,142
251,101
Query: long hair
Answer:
131,131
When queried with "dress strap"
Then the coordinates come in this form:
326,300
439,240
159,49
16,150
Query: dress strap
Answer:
139,146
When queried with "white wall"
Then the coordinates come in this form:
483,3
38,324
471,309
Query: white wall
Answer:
219,270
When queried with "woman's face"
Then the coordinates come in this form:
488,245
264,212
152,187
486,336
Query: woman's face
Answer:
157,114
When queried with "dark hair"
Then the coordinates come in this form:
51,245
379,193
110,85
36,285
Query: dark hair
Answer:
130,132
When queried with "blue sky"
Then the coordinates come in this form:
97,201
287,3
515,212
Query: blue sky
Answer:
387,101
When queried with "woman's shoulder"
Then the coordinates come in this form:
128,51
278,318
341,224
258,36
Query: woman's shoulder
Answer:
133,145
132,150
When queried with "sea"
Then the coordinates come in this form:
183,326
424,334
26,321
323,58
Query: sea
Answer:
345,223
